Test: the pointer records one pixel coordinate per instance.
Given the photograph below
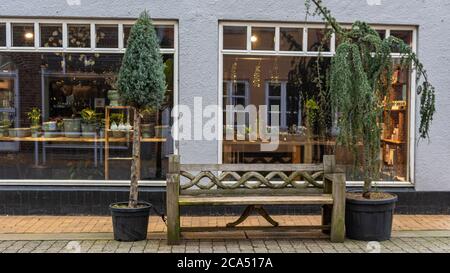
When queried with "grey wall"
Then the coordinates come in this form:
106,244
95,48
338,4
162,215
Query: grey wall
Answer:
198,48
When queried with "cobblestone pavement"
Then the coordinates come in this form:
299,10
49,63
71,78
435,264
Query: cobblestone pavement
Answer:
395,245
95,224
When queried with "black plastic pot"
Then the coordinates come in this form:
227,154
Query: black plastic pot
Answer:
369,220
130,224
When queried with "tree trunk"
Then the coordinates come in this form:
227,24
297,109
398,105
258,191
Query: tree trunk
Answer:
136,160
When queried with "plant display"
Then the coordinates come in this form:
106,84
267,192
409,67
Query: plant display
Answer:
359,81
34,116
89,116
141,83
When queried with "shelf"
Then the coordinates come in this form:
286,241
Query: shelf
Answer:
77,139
391,141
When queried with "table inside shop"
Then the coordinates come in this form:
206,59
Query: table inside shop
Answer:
233,149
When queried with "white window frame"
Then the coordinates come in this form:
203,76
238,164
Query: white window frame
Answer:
92,49
306,53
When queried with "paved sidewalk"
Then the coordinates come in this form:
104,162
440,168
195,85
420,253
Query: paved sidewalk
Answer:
56,234
92,224
395,245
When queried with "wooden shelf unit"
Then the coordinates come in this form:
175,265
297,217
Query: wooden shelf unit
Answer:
395,130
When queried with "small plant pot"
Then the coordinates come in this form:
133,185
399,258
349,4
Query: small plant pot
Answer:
369,219
19,132
118,133
147,130
36,131
88,129
49,126
4,131
130,224
72,127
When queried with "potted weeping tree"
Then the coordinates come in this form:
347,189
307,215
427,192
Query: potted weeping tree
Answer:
141,84
360,78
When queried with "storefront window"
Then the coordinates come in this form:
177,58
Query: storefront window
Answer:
165,35
2,34
263,38
235,37
22,35
107,36
70,91
79,36
291,39
307,124
51,35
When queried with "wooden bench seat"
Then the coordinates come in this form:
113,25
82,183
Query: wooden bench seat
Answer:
322,199
255,186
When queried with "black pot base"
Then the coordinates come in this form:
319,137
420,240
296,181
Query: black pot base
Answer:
369,220
130,224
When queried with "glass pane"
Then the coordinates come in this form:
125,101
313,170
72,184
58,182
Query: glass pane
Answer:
2,34
70,147
263,38
404,35
165,33
22,35
166,36
234,37
126,34
382,33
107,36
299,123
239,89
51,35
274,90
79,36
291,39
315,37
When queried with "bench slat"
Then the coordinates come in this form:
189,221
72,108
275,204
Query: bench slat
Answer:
251,167
256,200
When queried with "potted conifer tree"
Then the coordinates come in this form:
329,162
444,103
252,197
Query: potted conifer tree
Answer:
360,78
141,84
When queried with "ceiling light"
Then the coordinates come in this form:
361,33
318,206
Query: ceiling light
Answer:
29,35
254,39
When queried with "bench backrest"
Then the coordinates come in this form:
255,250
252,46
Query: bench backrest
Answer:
249,178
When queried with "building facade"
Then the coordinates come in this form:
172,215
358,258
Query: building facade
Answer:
61,57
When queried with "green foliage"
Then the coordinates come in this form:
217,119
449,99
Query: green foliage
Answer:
141,80
89,116
117,118
34,116
360,79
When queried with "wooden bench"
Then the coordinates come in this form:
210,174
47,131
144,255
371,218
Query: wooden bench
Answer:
256,185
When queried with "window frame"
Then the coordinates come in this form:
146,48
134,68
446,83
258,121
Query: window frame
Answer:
92,49
305,53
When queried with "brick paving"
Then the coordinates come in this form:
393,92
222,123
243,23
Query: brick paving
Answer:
91,234
94,224
395,245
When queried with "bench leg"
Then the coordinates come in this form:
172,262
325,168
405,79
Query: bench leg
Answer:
248,210
338,213
173,210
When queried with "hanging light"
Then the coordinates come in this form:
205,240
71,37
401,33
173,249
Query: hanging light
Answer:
29,35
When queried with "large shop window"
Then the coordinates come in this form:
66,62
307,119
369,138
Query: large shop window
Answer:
287,79
66,87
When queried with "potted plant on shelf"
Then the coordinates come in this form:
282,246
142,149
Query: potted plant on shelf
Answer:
360,79
89,122
141,84
35,119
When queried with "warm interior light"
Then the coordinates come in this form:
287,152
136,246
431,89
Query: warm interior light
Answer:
253,38
29,35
